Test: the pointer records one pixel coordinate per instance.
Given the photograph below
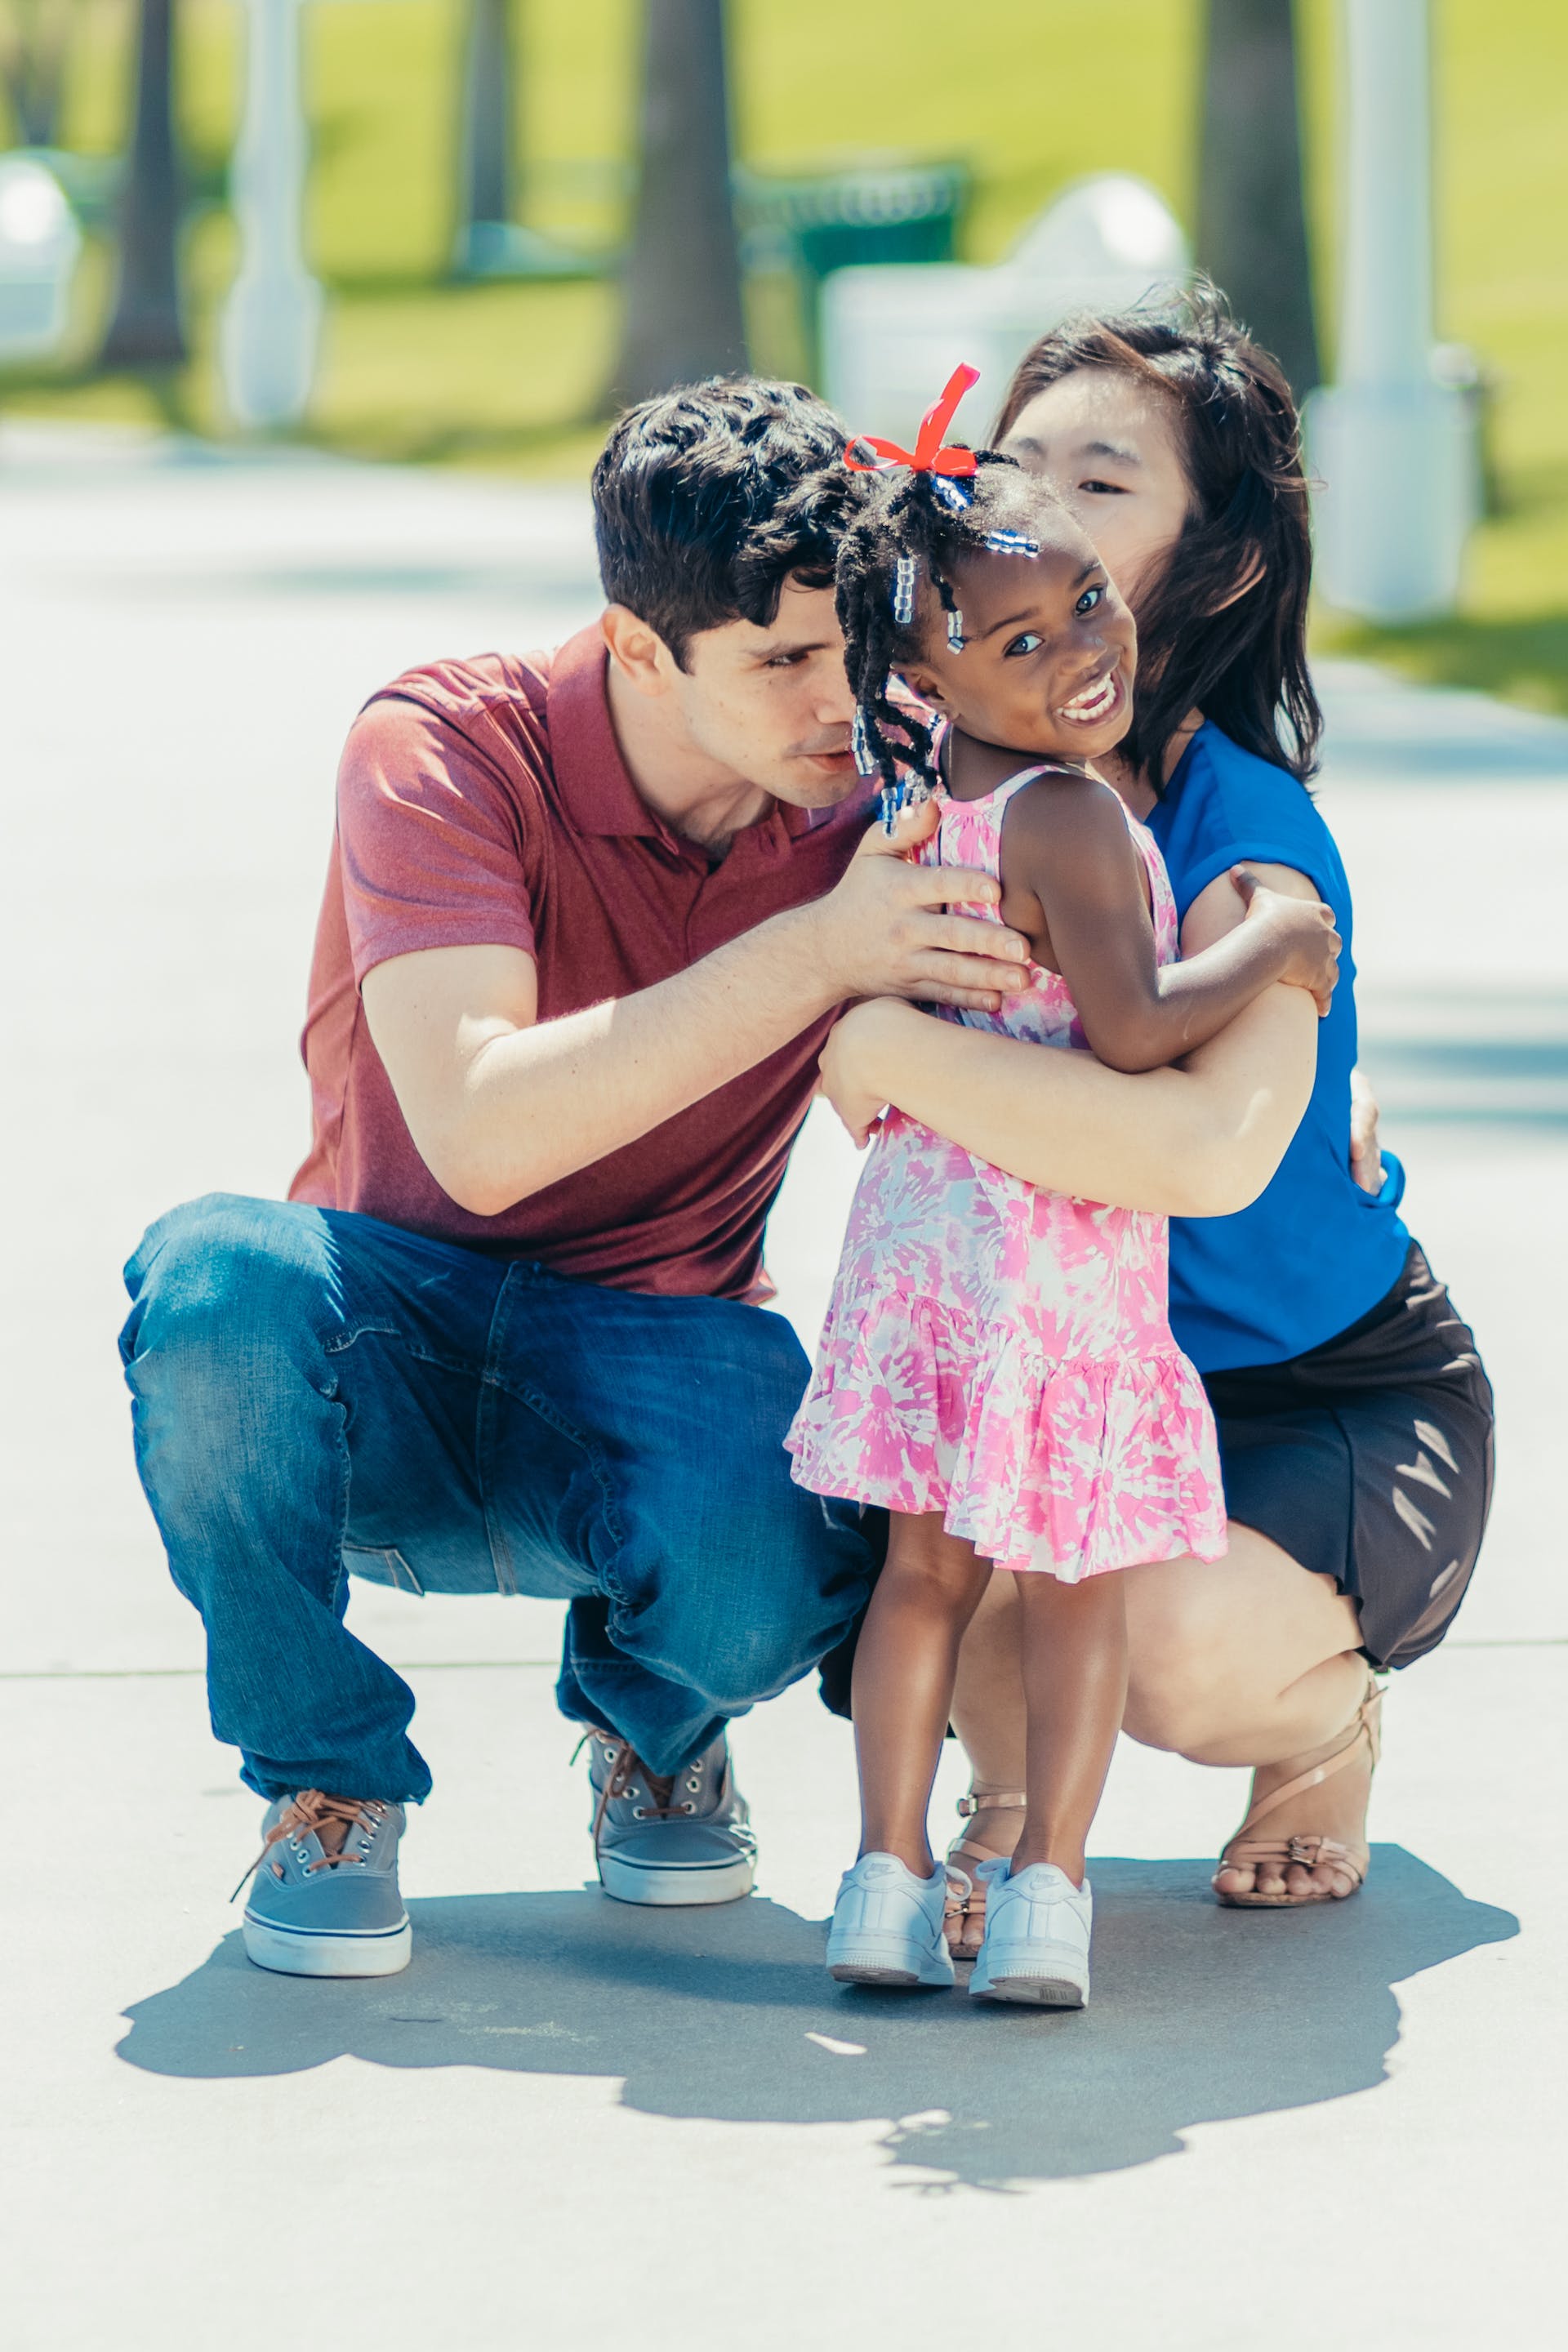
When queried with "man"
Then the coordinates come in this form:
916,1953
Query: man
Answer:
588,917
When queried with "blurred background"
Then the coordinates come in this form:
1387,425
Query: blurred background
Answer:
456,231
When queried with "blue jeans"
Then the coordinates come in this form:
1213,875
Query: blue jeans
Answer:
316,1394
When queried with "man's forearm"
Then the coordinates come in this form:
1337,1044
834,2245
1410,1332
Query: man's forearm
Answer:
539,1103
1201,1139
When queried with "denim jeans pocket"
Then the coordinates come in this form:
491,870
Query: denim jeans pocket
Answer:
384,1565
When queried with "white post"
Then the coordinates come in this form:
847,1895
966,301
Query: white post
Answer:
1394,449
272,320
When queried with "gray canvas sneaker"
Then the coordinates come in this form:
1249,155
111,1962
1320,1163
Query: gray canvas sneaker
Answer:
683,1840
319,1910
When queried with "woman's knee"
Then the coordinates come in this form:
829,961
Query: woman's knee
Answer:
1179,1662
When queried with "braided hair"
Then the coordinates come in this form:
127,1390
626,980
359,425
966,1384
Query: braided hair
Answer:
915,524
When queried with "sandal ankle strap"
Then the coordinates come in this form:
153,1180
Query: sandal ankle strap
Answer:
991,1801
1363,1727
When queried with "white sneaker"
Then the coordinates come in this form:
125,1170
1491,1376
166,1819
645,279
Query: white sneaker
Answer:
1035,1946
887,1925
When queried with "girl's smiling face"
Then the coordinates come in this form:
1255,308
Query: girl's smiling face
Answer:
1049,647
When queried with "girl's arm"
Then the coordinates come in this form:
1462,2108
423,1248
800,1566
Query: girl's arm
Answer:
1201,1139
1067,846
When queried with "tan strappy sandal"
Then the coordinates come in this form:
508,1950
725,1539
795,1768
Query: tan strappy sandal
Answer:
967,1904
1247,1852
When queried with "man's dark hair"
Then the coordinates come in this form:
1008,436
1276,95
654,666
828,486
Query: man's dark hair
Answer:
1242,660
707,500
926,524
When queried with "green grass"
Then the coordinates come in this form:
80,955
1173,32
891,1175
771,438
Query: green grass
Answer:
1033,92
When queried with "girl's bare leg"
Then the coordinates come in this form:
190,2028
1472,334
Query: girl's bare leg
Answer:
903,1691
1074,1660
1251,1659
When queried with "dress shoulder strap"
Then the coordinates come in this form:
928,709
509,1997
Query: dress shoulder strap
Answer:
1011,784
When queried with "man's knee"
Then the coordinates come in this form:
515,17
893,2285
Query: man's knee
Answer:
758,1609
743,1665
210,1276
222,1343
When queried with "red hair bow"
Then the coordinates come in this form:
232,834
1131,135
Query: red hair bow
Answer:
927,455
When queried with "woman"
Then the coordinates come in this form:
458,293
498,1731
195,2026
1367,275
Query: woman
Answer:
1355,1419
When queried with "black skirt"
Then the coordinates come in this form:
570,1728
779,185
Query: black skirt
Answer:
1369,1460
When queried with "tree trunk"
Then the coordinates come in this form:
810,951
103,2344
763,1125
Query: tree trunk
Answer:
1252,227
486,161
32,66
146,328
682,317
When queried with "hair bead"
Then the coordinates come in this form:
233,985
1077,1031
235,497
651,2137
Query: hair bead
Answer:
905,790
860,747
904,591
1009,542
954,631
955,493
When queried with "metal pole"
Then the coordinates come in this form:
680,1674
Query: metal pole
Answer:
1394,449
271,323
1386,335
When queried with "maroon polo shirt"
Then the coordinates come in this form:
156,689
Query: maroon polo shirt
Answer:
486,802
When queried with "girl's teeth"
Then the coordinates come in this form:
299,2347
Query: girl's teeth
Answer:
1090,705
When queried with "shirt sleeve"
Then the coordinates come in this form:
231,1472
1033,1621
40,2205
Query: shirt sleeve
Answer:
433,845
1305,854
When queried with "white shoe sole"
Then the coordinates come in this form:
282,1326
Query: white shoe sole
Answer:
290,1954
1047,1979
885,1960
630,1882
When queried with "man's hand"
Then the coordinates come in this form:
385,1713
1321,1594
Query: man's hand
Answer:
1366,1155
1305,929
882,931
501,1105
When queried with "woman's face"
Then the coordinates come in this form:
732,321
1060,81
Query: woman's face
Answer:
1110,446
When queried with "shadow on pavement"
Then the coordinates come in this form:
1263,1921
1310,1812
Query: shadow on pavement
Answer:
1198,2014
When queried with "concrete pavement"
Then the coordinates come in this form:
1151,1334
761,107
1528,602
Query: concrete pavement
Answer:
571,2122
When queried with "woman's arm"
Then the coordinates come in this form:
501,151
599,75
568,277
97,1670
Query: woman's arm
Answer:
1067,848
1199,1140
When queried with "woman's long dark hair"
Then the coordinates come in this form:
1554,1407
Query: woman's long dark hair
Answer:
1243,664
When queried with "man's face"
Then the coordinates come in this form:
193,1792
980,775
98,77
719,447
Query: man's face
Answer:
773,706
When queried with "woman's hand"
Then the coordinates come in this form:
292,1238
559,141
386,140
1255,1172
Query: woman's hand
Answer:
1366,1156
1305,929
849,1065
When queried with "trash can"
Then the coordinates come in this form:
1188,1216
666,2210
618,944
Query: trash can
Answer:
810,224
40,246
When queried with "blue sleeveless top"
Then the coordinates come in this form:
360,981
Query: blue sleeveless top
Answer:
1314,1252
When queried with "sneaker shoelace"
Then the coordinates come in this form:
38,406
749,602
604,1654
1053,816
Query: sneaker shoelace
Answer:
626,1767
313,1811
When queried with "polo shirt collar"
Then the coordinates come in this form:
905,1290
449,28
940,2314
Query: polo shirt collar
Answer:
590,776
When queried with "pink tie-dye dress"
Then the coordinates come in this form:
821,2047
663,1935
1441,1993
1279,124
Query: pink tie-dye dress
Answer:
1001,1354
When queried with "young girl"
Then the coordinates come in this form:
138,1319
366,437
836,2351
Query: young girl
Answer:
996,1367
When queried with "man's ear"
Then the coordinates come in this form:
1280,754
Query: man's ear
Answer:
639,653
1247,579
